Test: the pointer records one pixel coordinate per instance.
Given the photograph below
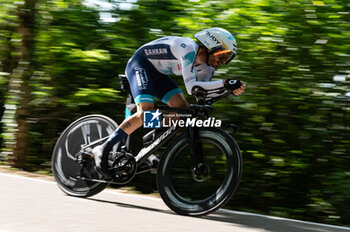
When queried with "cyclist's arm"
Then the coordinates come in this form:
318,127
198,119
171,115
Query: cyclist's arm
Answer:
237,88
207,85
189,74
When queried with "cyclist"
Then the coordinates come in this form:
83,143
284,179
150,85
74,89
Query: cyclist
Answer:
148,69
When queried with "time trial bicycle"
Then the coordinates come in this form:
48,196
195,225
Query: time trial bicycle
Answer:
198,172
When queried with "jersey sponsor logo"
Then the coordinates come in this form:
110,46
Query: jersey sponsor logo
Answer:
141,78
156,51
138,79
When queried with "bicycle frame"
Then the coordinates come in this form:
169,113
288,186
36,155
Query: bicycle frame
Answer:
163,138
145,152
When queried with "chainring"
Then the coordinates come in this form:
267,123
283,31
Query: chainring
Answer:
123,168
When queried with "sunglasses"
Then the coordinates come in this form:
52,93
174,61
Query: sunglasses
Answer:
225,56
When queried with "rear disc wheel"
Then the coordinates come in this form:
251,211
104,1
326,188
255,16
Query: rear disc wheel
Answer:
65,167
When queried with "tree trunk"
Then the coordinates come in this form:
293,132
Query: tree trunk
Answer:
17,109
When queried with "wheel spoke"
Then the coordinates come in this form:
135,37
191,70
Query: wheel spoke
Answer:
86,130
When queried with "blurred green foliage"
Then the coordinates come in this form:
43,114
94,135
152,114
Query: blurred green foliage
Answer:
293,119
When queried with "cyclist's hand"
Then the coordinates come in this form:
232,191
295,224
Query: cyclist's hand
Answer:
239,91
236,86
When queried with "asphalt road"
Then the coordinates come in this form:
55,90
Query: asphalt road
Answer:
35,205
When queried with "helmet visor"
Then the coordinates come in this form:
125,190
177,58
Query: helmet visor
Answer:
225,56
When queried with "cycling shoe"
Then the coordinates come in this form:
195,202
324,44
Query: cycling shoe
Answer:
100,164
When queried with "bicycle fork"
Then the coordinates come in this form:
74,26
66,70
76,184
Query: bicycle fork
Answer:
199,169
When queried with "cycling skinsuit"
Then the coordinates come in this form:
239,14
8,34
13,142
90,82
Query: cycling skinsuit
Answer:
148,69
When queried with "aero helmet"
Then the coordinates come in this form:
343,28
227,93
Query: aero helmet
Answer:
218,41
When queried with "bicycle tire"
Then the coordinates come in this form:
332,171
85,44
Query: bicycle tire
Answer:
173,173
81,132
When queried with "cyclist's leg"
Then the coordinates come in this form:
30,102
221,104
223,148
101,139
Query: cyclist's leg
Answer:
130,124
166,89
142,90
178,101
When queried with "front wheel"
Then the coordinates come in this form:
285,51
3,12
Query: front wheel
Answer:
65,167
182,190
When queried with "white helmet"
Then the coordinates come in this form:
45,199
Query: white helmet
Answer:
218,39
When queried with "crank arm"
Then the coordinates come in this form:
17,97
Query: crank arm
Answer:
94,143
